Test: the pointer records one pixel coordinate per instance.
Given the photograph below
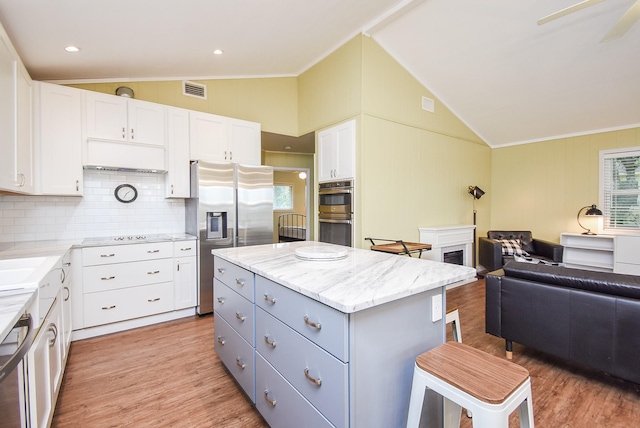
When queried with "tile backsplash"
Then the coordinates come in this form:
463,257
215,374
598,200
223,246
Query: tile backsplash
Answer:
96,214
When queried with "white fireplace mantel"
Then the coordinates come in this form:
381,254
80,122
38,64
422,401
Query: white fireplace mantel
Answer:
448,238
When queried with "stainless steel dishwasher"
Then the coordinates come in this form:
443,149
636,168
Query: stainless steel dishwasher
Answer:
14,397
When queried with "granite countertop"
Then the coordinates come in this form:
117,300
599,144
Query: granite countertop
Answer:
362,280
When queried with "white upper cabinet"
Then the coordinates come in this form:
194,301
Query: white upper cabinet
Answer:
113,118
16,161
177,153
219,138
58,139
336,152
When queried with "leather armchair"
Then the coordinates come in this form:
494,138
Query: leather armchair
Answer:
490,249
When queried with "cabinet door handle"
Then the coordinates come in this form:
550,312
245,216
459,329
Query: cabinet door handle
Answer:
268,400
269,298
67,264
313,380
172,189
269,342
230,155
108,308
53,329
240,317
107,278
124,135
178,264
66,299
221,340
221,300
240,364
153,251
240,282
132,134
107,255
185,249
153,300
77,185
153,272
311,323
225,155
221,270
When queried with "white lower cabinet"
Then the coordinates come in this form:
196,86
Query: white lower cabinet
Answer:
45,362
185,275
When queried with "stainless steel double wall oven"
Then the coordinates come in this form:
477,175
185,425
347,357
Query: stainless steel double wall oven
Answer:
335,212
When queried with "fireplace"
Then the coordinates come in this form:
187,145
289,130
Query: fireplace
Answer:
449,244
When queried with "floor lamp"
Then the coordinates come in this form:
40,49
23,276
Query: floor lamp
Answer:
477,193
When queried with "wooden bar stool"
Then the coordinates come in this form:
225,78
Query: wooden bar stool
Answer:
492,388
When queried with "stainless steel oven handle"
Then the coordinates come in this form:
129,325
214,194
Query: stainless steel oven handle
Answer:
9,366
329,220
337,191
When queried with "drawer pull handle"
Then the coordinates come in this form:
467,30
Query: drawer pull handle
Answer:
240,364
153,251
269,299
153,272
53,329
221,340
67,264
185,249
268,400
107,278
107,255
108,308
240,282
269,342
221,300
311,323
153,300
220,270
240,317
313,380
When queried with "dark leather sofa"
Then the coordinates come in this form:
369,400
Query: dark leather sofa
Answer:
591,318
490,249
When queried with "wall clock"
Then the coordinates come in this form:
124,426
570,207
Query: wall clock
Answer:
126,193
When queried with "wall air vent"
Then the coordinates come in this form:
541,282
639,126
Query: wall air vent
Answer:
428,104
193,89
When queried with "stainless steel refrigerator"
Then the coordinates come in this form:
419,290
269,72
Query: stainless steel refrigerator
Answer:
231,205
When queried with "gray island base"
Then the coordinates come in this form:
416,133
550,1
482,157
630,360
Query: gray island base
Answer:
329,343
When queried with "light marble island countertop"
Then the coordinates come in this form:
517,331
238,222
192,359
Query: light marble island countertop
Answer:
361,280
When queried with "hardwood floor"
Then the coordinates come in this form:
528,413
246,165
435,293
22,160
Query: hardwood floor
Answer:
167,375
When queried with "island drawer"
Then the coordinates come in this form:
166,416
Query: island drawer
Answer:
280,404
319,376
319,323
236,354
126,253
237,278
114,276
237,311
117,305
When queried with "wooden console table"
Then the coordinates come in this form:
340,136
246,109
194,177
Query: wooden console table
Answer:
399,247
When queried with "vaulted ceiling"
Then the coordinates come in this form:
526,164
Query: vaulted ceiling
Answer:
509,79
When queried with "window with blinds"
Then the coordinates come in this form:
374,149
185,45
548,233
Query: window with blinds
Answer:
620,188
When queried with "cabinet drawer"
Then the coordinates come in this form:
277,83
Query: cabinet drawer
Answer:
126,253
123,275
318,375
185,248
134,302
319,323
280,404
236,354
237,311
237,278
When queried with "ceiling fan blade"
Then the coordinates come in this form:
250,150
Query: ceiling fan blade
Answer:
630,17
567,10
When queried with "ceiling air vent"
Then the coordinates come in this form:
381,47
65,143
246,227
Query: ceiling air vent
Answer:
193,89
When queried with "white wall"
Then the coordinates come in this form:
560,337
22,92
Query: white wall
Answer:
98,213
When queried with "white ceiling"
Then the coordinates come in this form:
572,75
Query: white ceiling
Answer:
507,78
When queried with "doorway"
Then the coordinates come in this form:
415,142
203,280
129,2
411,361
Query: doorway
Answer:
291,214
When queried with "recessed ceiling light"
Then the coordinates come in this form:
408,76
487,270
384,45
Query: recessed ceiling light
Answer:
217,52
71,49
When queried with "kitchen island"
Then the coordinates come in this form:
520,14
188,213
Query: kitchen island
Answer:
329,342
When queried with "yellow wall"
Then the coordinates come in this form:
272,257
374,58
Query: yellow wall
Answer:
542,186
272,102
